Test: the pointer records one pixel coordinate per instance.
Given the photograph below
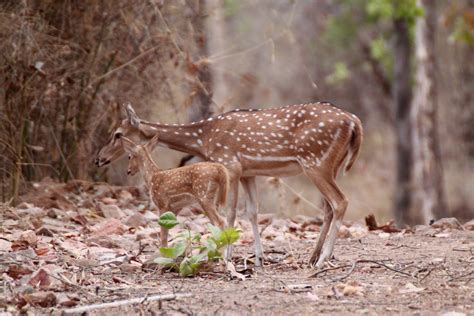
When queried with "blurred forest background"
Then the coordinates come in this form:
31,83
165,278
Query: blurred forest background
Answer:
404,67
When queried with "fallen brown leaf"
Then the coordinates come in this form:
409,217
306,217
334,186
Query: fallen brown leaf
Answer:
17,271
43,299
108,227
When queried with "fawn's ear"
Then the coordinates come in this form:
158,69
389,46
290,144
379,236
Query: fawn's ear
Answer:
131,115
153,142
128,145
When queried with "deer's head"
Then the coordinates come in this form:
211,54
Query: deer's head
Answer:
129,127
138,154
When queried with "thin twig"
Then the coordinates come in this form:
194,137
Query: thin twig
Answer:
371,261
326,270
138,300
128,63
460,276
302,197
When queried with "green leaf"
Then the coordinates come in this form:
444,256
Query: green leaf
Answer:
340,73
197,259
167,262
229,236
215,231
211,249
213,255
173,252
186,268
211,245
189,236
189,266
168,220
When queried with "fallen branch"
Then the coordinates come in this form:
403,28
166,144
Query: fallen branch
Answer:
233,272
138,300
326,270
371,224
453,278
374,262
353,266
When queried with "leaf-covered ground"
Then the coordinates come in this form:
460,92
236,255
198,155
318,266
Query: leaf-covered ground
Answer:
78,244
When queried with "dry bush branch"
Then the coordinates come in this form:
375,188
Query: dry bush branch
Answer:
67,66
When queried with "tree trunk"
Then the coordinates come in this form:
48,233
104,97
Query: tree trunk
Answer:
402,94
201,107
466,92
427,189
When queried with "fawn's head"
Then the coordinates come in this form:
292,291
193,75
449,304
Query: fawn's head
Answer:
128,127
137,154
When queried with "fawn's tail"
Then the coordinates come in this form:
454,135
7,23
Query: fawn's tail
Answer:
223,185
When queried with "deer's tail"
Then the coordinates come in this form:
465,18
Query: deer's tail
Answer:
355,144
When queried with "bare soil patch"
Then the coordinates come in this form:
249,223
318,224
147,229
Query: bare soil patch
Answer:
82,243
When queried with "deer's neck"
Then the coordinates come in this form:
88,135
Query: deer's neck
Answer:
149,169
186,138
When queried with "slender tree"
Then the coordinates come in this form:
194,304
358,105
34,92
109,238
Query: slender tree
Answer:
427,190
402,94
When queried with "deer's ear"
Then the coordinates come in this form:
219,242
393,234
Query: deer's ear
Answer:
153,142
131,115
128,145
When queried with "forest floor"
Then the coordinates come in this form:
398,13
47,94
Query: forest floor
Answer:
79,244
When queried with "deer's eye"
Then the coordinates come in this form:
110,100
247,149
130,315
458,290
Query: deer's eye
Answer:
118,135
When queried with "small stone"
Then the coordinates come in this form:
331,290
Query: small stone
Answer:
450,222
24,205
109,200
133,266
344,232
150,216
43,231
469,225
110,211
136,220
124,195
108,227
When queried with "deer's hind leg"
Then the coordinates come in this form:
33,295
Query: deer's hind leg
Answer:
328,215
336,205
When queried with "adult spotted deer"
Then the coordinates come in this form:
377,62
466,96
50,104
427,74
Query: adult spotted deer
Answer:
170,190
315,139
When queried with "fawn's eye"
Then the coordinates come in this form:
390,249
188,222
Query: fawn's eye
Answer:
118,135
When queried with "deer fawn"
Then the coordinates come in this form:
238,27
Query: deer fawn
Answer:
316,139
173,189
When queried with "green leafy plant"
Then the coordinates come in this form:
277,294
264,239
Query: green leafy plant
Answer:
189,252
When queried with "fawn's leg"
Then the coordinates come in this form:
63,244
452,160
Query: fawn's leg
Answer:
209,208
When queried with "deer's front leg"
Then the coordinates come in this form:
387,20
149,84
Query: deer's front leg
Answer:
233,194
251,207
